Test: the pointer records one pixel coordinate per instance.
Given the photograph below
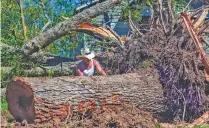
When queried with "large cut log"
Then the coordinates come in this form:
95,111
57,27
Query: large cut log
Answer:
41,99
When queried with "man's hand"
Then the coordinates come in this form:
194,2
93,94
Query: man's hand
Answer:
79,72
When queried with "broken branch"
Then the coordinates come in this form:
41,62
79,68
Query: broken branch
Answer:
201,19
63,28
205,26
121,44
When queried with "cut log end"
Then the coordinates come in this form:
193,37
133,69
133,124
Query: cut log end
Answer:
21,101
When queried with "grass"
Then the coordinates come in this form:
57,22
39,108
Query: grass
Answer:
5,114
198,126
157,125
201,126
4,105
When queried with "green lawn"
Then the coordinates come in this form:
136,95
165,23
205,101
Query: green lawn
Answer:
4,105
206,126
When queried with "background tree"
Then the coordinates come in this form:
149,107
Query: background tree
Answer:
35,15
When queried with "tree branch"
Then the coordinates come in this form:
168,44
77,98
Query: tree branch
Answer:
47,17
63,28
199,10
10,49
205,26
133,27
121,44
205,41
160,2
14,50
173,20
200,20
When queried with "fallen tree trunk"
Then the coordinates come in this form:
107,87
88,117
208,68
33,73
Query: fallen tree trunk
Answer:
42,99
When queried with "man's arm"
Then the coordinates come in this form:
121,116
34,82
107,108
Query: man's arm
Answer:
99,68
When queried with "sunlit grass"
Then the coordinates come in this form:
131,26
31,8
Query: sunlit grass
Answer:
4,105
203,126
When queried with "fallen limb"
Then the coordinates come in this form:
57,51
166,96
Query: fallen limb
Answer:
63,28
63,68
34,57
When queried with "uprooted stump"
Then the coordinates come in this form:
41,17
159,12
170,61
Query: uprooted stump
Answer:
42,99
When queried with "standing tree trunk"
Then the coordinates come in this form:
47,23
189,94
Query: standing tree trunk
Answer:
23,20
41,99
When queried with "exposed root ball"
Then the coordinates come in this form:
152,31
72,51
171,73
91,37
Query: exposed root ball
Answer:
177,62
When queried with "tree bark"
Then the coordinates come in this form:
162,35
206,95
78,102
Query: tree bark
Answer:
63,28
42,99
63,68
33,57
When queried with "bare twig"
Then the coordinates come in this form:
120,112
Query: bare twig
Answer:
69,113
173,20
184,111
160,2
65,18
199,10
82,119
23,20
117,36
187,5
204,40
152,12
49,21
171,10
175,30
133,27
47,24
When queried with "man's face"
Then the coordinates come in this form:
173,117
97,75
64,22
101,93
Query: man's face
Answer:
86,61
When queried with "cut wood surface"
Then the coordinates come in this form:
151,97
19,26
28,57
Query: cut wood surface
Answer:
40,99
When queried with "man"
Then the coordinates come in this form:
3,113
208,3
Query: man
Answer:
87,66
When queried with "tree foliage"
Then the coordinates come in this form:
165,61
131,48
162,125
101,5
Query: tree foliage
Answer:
36,15
134,11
